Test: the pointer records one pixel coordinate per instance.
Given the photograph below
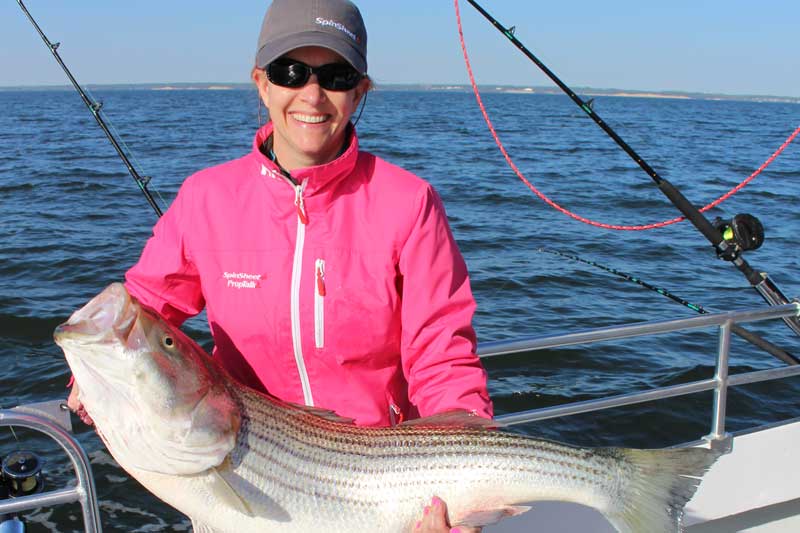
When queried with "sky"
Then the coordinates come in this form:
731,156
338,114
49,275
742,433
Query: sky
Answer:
736,47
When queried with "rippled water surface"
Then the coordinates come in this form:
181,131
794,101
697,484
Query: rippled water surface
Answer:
72,221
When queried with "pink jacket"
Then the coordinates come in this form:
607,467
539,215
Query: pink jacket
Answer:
346,292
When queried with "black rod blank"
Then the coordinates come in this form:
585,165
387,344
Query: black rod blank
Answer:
95,107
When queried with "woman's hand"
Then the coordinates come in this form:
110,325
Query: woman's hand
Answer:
77,407
434,520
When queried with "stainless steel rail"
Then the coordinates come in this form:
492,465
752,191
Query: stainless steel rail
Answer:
84,492
491,349
719,383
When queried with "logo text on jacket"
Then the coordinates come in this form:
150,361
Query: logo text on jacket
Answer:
242,280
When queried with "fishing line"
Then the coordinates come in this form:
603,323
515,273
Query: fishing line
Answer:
730,251
628,277
363,105
589,108
13,434
95,107
745,334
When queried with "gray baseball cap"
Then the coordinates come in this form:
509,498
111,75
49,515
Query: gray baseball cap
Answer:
333,24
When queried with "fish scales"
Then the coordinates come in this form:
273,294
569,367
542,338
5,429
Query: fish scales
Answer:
378,462
237,461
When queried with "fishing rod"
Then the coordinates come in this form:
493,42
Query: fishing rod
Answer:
95,107
729,239
745,334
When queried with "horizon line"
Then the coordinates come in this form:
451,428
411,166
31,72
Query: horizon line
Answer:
533,89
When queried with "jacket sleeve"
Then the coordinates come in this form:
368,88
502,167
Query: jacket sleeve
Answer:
165,278
438,341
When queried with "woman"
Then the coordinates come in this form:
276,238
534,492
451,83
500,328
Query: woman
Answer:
329,276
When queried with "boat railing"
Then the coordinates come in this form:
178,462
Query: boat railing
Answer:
719,383
39,418
85,493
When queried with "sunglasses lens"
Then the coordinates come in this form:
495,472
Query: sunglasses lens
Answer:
333,76
337,77
288,74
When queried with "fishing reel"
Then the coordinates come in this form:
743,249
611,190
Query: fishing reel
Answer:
20,475
743,232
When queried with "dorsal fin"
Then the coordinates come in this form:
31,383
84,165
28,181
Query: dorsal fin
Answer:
327,414
456,418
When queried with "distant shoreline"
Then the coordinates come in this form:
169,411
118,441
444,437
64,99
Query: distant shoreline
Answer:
510,89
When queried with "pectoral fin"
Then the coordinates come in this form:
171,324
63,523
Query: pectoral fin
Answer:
243,496
226,494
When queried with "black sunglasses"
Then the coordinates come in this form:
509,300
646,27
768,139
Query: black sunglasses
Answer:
288,72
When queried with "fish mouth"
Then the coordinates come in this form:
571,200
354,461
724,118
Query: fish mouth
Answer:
110,312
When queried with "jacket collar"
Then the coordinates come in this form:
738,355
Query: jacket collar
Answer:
319,176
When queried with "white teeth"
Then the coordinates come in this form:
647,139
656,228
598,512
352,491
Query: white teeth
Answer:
310,119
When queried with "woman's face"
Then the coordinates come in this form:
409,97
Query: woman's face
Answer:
310,122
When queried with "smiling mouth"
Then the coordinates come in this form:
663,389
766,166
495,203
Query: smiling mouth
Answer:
310,119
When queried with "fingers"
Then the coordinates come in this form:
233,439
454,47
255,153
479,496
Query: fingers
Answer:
72,400
76,406
84,416
434,520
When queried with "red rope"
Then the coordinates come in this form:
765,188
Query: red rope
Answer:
557,207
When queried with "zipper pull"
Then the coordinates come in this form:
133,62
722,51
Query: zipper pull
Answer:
395,415
321,277
298,203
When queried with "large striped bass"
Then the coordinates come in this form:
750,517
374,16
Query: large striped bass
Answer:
236,460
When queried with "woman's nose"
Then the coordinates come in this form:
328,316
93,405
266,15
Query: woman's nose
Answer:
311,92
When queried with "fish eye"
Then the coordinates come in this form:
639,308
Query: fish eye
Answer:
168,341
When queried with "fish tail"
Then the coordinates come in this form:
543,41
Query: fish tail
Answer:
661,483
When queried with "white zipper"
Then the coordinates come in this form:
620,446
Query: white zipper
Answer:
297,267
319,303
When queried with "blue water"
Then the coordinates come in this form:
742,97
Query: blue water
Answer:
72,221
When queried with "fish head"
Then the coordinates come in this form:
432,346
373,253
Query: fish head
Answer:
157,399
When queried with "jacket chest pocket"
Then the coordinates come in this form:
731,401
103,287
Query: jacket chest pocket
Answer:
356,311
